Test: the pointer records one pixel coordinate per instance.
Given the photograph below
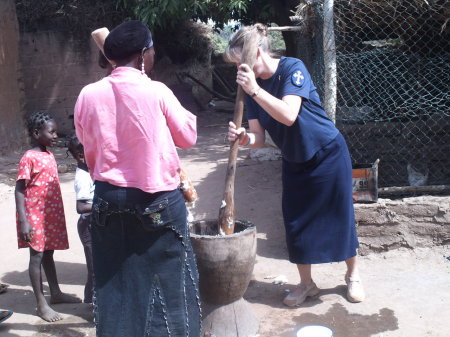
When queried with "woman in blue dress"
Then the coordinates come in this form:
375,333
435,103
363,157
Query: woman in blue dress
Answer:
316,170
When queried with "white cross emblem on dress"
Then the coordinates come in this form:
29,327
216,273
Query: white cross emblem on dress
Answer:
298,75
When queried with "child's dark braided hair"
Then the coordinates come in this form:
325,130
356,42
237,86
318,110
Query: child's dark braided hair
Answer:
74,146
36,121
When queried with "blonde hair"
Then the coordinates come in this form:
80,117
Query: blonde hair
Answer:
236,42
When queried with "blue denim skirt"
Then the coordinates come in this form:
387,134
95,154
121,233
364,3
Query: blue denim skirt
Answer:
146,274
318,206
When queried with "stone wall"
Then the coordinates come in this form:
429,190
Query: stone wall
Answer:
56,66
409,222
12,132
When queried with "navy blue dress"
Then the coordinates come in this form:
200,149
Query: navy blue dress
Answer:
317,174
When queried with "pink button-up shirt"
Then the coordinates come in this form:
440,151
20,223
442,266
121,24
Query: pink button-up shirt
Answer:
129,126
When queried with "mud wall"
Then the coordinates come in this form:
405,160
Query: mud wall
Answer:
409,222
56,66
12,134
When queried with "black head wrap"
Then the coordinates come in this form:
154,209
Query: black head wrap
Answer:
126,39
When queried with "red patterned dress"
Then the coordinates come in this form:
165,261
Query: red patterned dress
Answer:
43,202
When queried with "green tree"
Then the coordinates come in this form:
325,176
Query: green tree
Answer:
163,16
167,14
220,39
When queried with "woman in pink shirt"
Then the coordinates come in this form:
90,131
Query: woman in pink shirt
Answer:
130,126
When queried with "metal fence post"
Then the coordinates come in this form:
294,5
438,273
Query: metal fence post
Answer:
329,50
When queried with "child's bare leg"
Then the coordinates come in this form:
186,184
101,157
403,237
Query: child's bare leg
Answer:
56,295
43,310
88,289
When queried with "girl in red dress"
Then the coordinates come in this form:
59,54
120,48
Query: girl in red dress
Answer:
41,224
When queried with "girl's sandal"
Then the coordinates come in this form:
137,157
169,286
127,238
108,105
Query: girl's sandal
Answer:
3,288
5,314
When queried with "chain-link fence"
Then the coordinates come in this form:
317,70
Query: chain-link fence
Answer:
391,69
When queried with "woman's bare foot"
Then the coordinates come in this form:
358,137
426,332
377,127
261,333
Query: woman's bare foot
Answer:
64,298
48,314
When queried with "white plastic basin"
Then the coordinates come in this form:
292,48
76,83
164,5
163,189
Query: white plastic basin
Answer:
314,331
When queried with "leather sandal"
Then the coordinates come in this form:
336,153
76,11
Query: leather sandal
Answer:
355,290
299,295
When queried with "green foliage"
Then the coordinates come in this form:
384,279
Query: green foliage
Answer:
228,30
277,41
218,43
161,14
167,15
220,38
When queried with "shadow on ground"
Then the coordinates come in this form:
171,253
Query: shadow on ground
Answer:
68,273
344,323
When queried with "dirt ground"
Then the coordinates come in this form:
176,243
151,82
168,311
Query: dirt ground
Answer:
408,291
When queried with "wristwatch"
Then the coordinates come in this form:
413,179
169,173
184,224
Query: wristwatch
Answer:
256,92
